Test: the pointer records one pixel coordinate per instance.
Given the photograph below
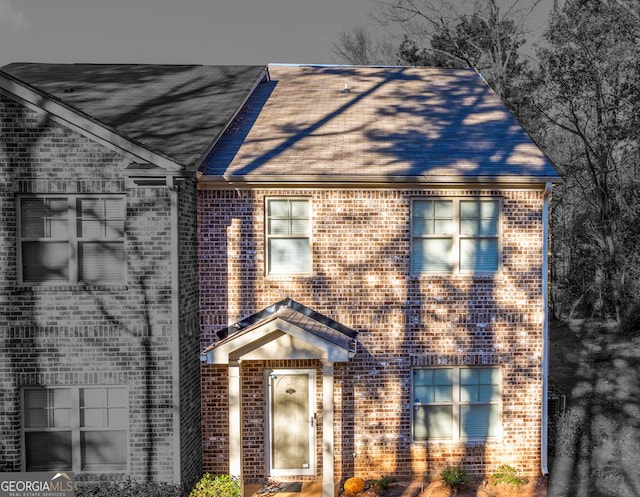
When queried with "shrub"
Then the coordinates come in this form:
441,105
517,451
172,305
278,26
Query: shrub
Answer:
455,477
354,485
382,483
216,486
127,488
507,475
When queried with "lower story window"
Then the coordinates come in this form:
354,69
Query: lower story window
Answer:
75,428
456,403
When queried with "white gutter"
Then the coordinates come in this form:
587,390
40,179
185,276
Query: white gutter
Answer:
545,330
373,181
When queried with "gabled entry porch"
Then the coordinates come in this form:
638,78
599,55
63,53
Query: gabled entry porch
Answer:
296,349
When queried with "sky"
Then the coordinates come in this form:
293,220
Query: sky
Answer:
183,31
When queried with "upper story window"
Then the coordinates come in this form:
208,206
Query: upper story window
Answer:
455,235
76,238
288,233
456,403
75,428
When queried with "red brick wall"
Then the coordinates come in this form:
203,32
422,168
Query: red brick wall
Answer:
361,278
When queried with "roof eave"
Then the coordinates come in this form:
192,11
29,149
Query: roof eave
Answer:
82,123
350,181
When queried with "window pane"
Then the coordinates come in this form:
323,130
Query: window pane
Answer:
100,217
90,208
479,218
422,226
35,402
299,226
91,228
44,261
423,209
300,209
469,209
287,256
35,398
422,376
278,208
423,394
479,255
101,262
92,417
61,418
478,421
489,209
488,393
279,227
479,385
117,416
117,397
432,385
432,254
104,450
443,208
93,397
443,226
432,422
48,450
488,376
44,218
432,217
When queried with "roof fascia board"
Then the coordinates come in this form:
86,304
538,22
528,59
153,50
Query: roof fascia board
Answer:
526,182
79,122
263,75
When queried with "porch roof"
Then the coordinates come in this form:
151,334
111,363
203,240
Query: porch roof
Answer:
284,330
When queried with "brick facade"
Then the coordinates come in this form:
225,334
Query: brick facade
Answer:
125,334
361,277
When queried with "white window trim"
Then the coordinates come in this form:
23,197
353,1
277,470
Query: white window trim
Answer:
456,404
72,240
268,237
456,237
74,428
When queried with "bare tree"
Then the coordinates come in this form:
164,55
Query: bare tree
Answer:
487,35
360,47
591,99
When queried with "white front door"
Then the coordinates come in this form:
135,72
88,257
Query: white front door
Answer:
291,410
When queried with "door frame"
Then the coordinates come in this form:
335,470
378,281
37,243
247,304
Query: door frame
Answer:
268,374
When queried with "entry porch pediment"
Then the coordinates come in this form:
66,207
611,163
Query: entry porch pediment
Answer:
285,330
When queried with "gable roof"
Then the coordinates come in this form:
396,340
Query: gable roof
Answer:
284,330
375,124
175,111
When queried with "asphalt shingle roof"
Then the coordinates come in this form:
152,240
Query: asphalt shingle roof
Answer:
175,110
341,121
299,315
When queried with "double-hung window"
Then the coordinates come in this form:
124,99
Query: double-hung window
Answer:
456,403
75,429
288,231
76,238
455,235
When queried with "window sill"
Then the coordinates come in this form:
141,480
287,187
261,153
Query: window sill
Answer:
71,287
462,442
450,274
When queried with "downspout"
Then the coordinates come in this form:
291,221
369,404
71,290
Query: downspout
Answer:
545,328
172,185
